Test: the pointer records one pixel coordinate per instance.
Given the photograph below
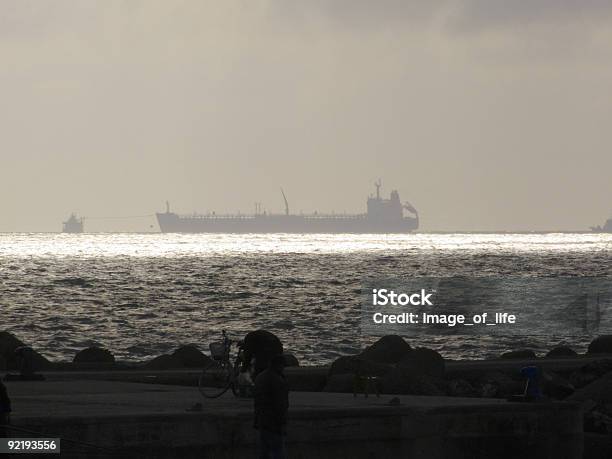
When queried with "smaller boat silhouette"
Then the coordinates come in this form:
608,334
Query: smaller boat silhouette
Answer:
607,228
73,225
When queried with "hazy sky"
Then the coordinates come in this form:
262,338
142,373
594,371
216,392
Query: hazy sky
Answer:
485,114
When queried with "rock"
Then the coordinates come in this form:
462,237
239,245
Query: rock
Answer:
306,380
163,362
596,401
8,344
561,351
94,354
555,386
500,385
599,391
601,345
598,367
388,349
190,357
356,364
343,365
290,360
599,422
339,383
184,357
403,380
424,361
590,372
375,360
461,388
521,354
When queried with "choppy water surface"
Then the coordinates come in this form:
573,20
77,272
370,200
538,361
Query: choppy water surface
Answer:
143,294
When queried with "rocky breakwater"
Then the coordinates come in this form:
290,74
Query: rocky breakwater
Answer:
400,368
593,383
10,356
396,367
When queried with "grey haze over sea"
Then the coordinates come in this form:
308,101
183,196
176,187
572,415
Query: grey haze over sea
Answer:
141,295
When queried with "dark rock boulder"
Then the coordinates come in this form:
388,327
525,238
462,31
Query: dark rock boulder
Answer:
601,345
497,384
388,349
561,351
290,360
163,362
9,343
590,372
357,365
403,380
462,388
94,355
184,357
339,383
596,401
599,391
424,361
190,357
556,386
392,360
307,379
520,354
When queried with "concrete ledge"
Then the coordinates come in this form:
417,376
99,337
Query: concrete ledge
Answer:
143,419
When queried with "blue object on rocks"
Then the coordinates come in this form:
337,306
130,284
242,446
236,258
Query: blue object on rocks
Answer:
533,387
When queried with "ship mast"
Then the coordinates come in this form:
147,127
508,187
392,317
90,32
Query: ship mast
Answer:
286,203
377,184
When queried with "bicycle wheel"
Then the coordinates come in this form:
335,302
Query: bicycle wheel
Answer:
215,379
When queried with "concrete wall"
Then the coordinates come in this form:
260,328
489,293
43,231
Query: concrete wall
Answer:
496,431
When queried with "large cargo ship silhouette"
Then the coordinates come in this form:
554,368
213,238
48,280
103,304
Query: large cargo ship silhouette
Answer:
382,216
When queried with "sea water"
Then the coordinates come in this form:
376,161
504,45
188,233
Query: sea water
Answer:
141,295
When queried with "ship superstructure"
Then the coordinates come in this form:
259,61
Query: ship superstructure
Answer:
73,224
382,216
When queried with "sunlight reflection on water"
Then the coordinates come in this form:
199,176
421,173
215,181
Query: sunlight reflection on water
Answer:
176,245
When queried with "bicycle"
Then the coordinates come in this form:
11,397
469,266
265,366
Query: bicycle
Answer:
220,374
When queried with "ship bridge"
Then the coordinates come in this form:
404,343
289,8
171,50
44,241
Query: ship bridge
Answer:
387,209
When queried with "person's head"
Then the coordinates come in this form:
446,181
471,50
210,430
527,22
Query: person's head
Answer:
277,363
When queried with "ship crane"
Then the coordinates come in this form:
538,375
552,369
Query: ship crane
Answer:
378,184
286,203
410,208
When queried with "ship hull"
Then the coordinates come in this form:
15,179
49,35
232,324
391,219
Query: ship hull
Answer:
173,223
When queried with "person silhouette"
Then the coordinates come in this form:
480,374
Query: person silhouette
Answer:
5,409
262,346
271,403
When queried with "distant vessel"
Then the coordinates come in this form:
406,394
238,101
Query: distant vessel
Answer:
382,216
73,225
607,228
